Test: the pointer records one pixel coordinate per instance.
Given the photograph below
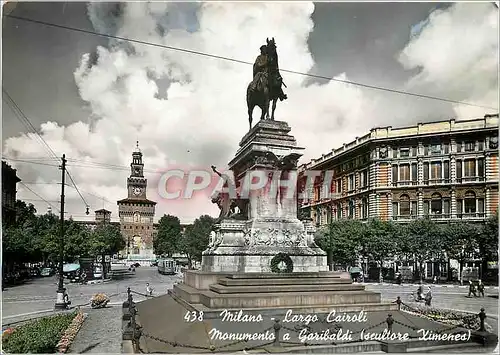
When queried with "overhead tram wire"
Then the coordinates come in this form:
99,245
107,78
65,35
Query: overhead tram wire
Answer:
83,191
374,87
87,206
40,197
30,127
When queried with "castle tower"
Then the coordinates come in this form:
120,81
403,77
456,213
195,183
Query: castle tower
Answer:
136,214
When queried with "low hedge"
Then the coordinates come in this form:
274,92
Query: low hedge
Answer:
450,317
38,337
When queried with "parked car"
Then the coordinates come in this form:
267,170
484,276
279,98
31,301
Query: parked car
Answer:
154,263
46,272
135,265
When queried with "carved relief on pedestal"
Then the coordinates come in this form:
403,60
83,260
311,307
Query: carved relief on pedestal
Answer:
216,239
276,237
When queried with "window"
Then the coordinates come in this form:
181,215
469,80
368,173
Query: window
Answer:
446,148
414,208
394,209
470,146
364,178
436,204
470,202
480,205
459,169
404,152
339,211
414,151
364,208
480,145
436,170
414,172
426,171
394,173
350,186
351,209
339,186
459,147
404,172
446,206
480,167
316,193
426,208
469,168
446,170
426,150
460,207
404,205
436,149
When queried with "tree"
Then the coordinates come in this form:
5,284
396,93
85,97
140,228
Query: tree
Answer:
487,242
17,238
167,238
340,240
424,241
106,239
377,241
196,238
460,240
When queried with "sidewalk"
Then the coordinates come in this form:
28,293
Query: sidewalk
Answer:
429,284
100,333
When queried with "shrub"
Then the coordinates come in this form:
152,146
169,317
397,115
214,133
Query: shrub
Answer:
38,337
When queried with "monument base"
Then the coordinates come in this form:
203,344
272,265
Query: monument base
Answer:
271,293
249,246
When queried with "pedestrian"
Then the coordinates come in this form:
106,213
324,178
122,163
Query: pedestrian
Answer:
149,290
472,289
434,281
428,297
480,288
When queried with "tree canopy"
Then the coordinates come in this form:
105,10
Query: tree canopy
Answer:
168,236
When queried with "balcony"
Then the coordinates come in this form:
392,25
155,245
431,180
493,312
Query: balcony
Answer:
440,216
471,215
404,217
405,183
466,179
436,181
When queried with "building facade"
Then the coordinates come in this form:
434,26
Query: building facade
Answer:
136,214
101,216
9,192
445,170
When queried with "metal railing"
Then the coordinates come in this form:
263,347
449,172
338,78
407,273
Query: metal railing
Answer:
133,331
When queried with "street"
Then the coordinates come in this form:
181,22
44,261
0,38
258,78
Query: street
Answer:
39,294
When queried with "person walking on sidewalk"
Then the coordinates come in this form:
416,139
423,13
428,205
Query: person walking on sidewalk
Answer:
480,288
428,297
472,289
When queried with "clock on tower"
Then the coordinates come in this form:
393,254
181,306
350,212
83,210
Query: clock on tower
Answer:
137,191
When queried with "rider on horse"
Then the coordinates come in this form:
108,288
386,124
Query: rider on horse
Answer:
260,70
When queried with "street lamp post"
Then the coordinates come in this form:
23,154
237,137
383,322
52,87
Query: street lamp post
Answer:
60,301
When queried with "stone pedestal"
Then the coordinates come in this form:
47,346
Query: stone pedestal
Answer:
268,151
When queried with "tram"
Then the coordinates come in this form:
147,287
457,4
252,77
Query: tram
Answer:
167,266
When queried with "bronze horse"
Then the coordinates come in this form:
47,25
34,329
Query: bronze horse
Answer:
267,88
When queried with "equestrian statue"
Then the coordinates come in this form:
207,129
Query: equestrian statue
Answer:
267,82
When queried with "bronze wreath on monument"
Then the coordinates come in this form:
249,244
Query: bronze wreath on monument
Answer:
282,264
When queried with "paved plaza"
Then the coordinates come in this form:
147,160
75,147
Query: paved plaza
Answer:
102,329
39,295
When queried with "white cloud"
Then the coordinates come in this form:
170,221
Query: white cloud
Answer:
204,116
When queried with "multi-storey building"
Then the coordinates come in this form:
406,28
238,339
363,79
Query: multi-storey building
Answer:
101,216
446,170
9,191
136,214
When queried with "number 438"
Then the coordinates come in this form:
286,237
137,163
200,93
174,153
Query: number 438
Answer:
194,316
